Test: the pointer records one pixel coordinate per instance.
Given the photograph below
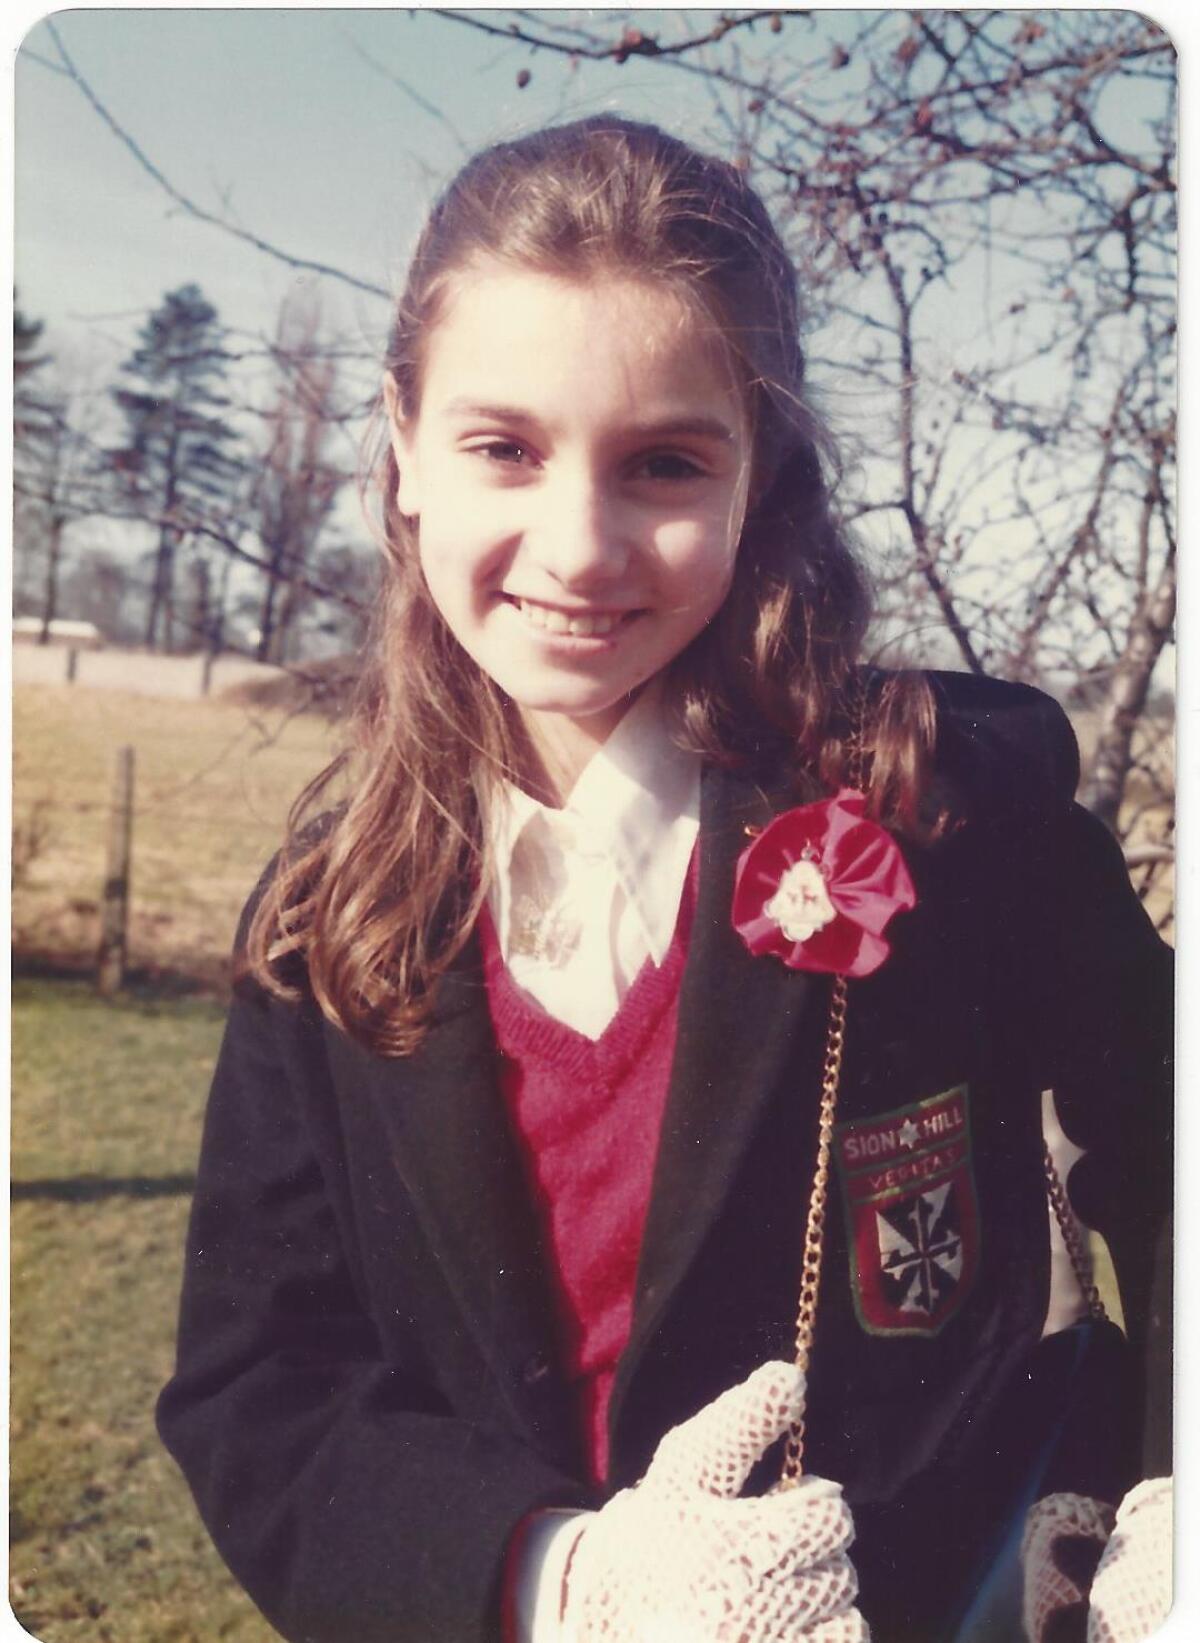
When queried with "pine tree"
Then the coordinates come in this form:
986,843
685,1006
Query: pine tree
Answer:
179,457
45,460
32,413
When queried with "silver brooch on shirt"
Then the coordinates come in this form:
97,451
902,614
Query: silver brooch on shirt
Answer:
547,937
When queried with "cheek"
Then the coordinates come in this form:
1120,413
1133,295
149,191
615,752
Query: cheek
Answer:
462,566
699,559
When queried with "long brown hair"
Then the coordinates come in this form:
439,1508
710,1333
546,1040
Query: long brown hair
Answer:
379,899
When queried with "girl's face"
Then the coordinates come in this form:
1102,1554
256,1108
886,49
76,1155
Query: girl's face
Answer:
578,467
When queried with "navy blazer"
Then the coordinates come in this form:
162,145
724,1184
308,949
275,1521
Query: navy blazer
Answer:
367,1397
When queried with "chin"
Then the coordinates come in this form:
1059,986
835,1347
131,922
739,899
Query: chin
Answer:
571,707
576,705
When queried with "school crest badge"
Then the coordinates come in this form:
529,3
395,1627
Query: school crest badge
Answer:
912,1216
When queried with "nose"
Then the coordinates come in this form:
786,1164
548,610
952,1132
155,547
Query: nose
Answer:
580,535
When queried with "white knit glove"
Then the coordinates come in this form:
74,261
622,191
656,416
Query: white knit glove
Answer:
1064,1538
1131,1593
680,1558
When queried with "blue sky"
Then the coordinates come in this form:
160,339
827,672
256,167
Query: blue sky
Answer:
287,121
277,118
291,123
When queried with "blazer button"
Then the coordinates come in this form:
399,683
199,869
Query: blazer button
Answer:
535,1369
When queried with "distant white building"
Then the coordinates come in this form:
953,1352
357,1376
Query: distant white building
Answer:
27,630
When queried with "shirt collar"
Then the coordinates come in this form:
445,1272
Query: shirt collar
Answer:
636,801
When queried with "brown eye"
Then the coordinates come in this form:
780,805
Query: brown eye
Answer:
668,466
502,450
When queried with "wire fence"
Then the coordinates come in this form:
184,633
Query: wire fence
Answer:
213,783
188,677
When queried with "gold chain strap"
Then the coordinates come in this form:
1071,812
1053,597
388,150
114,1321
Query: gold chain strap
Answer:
814,1231
1069,1228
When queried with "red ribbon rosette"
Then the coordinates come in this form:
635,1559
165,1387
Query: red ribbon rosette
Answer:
819,886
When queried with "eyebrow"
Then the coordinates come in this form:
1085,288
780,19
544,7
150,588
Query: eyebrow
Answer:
705,427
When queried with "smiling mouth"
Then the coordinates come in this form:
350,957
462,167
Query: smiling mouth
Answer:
591,624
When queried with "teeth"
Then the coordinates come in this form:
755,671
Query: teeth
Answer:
576,627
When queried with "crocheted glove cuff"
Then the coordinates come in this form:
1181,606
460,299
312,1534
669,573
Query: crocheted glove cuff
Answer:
1064,1539
1131,1594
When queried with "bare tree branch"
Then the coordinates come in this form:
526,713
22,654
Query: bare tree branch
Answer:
633,41
413,95
190,206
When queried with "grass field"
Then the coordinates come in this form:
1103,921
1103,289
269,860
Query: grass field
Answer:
106,1546
213,784
107,1102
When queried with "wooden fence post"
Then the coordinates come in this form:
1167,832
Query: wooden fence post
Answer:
114,911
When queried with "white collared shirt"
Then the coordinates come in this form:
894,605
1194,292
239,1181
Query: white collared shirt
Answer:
582,896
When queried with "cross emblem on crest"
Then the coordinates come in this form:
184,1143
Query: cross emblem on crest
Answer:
920,1250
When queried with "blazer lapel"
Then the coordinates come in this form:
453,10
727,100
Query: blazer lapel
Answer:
738,1020
453,1148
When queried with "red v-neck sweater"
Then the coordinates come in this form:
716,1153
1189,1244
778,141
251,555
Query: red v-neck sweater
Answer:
587,1115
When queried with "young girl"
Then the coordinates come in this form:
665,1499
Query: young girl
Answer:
607,1021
